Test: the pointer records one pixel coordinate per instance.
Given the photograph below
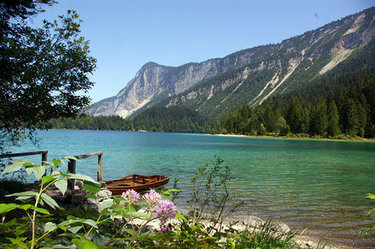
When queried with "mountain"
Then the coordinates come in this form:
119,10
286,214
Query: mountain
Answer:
249,76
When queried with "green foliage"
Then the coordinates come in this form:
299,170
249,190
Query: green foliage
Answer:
33,200
44,71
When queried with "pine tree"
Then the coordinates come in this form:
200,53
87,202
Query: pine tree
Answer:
333,119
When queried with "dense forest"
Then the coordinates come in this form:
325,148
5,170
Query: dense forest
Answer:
172,119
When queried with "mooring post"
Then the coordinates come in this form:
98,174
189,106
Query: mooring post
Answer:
44,157
71,169
100,167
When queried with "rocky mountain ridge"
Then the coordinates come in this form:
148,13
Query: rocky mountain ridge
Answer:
249,76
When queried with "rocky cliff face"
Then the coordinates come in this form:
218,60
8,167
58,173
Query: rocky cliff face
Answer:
247,77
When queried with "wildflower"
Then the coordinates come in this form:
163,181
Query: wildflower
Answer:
131,195
153,198
166,210
165,228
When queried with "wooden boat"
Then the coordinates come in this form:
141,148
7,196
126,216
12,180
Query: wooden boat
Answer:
139,183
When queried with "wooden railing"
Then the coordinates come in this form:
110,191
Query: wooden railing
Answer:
43,152
72,166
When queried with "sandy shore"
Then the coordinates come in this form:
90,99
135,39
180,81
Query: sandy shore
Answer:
371,140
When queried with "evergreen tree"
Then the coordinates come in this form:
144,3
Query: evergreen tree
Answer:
333,119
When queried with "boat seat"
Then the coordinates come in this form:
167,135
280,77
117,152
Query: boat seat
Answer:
152,181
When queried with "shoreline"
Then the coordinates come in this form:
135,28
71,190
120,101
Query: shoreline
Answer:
363,140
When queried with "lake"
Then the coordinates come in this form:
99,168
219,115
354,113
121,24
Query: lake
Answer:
318,185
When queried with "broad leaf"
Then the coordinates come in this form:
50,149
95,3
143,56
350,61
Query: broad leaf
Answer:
26,194
29,206
14,167
106,204
62,185
49,201
38,171
80,177
19,241
180,216
47,179
56,162
74,229
49,226
85,244
370,196
4,208
93,187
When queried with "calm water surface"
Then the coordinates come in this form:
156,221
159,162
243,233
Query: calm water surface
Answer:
318,185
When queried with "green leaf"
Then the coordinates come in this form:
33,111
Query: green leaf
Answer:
29,206
38,171
4,208
139,214
47,179
180,216
106,204
89,222
19,241
85,244
49,201
49,226
14,167
89,195
81,177
93,187
24,194
370,196
74,229
56,162
62,185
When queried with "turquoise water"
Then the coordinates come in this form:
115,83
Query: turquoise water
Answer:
318,185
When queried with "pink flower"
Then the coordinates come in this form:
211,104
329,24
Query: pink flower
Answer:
165,228
131,195
166,210
153,198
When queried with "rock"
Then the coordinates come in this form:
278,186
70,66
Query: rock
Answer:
102,196
281,227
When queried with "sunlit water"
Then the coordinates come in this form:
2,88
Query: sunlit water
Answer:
318,185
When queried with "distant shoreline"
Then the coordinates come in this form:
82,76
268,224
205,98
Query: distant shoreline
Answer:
370,140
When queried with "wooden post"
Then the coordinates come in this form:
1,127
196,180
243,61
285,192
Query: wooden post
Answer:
71,169
44,157
100,167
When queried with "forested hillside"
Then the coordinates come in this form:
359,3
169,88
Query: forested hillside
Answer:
341,103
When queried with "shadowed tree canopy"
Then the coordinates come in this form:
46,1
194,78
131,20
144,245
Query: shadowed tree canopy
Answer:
44,71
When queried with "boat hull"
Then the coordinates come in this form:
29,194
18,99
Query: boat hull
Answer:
139,183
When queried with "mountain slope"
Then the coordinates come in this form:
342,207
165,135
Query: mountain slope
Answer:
247,77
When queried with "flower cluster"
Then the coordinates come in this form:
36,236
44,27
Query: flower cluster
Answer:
160,208
153,198
131,195
166,210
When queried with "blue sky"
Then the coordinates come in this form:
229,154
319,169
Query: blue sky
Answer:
126,34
